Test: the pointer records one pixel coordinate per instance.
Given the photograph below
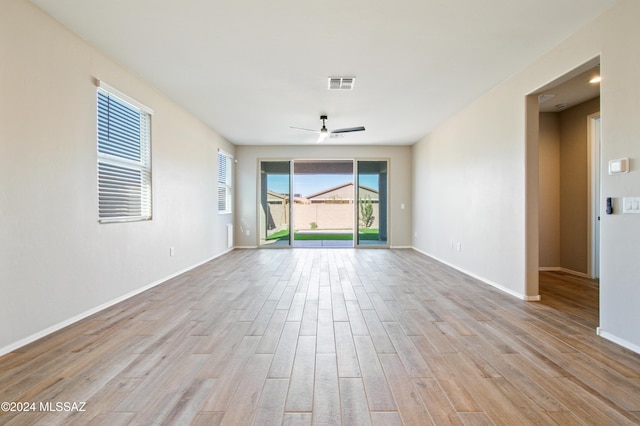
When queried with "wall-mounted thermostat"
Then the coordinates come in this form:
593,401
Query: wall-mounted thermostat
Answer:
619,166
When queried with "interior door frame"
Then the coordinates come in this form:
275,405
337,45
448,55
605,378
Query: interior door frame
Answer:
594,122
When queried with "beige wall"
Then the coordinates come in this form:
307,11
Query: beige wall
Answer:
478,166
56,262
399,183
574,188
549,190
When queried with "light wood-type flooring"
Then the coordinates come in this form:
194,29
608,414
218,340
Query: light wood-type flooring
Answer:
331,336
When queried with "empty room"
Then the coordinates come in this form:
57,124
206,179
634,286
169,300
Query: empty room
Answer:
295,213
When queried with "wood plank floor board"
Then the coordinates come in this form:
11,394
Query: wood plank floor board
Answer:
332,336
297,307
168,398
285,351
296,419
326,393
326,340
454,384
272,333
410,406
243,405
518,370
436,402
404,318
385,418
338,305
353,402
378,334
219,398
356,319
309,323
104,402
300,397
406,350
271,405
346,351
379,396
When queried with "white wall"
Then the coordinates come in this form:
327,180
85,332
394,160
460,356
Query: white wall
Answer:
474,168
399,183
56,261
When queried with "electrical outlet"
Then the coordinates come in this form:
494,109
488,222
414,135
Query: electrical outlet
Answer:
459,247
171,251
247,232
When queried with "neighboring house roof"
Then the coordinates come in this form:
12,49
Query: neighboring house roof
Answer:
276,196
342,192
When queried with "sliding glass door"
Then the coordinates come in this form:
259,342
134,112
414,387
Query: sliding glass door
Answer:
275,203
323,210
336,203
372,178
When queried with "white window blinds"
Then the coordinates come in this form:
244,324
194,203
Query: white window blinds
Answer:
224,182
124,158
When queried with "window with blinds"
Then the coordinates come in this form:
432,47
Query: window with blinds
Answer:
224,182
124,158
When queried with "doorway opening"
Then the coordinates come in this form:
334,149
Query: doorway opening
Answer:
323,203
323,213
565,145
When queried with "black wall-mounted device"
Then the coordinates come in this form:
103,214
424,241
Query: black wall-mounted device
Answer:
609,205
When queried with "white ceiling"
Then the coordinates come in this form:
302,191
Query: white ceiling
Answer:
251,68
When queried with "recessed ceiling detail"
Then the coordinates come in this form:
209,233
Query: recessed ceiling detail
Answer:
341,83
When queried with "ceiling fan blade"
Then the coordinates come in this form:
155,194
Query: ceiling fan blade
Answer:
306,130
349,130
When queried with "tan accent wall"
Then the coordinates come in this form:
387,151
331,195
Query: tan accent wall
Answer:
549,190
574,185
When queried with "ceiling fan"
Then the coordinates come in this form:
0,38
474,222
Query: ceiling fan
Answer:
324,132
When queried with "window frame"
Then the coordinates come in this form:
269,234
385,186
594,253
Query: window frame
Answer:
225,182
117,173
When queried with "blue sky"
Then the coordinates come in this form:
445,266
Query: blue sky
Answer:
310,184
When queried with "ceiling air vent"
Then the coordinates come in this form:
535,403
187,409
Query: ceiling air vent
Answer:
341,83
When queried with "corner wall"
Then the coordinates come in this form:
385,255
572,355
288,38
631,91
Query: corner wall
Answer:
473,168
56,262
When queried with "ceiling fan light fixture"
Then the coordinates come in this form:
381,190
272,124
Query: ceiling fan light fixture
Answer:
323,135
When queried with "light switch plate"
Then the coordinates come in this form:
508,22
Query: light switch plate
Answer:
619,166
631,205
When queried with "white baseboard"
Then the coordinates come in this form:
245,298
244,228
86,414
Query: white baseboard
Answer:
32,338
565,270
615,339
401,247
484,280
